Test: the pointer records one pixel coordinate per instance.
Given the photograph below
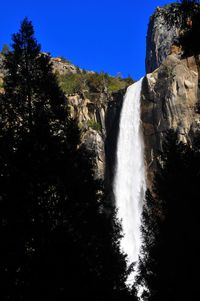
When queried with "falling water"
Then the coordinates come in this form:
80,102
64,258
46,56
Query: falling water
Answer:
129,183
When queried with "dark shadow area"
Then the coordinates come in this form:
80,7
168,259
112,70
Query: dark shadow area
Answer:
170,263
57,242
112,120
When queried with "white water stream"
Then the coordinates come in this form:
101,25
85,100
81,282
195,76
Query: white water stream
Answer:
129,182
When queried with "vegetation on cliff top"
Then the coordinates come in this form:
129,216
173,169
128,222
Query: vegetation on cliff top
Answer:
92,82
85,82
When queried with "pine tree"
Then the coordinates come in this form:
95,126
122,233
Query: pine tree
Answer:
32,135
57,241
5,49
188,1
170,264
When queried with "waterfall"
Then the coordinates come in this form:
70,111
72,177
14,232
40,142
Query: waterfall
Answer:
129,182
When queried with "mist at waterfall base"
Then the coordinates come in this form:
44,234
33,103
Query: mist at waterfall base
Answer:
129,182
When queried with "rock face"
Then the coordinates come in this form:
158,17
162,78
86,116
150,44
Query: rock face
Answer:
91,120
160,37
171,92
98,118
63,67
170,96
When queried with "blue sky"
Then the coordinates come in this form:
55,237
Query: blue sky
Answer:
99,35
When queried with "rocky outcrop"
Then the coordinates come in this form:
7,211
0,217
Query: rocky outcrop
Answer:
63,67
98,118
90,116
160,37
171,92
170,96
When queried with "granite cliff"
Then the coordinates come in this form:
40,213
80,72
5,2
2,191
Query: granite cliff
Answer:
160,37
170,93
98,118
170,97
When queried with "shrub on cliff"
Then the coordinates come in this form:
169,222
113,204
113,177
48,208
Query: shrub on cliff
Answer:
92,82
186,16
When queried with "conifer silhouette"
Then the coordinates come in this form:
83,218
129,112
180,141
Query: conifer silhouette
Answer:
169,263
57,242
